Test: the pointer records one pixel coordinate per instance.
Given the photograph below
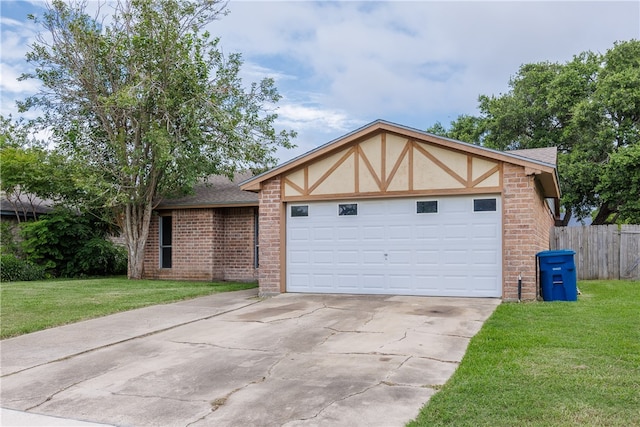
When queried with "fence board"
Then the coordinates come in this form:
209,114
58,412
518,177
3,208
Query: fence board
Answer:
630,252
602,251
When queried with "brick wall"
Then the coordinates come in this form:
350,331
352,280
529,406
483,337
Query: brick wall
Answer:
270,200
239,244
208,244
527,222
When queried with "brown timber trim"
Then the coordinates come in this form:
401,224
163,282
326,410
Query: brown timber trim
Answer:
411,177
367,163
469,171
396,166
442,166
486,175
383,161
378,195
283,247
296,187
356,168
332,169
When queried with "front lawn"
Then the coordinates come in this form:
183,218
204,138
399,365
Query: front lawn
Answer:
31,306
550,364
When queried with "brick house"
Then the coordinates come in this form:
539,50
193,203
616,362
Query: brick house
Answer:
210,235
388,209
385,209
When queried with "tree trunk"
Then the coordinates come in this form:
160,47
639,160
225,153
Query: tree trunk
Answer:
565,219
603,214
136,221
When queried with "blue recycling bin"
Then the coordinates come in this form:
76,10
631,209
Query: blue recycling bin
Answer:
558,279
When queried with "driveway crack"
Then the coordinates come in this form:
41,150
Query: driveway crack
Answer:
51,396
341,400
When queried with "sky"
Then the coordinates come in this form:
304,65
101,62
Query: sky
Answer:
340,65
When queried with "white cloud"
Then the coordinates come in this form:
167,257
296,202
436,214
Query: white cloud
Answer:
9,82
298,116
341,64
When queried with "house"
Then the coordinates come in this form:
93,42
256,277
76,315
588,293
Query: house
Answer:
210,235
385,209
388,209
17,207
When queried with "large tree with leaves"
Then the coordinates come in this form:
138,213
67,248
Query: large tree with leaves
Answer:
149,103
588,107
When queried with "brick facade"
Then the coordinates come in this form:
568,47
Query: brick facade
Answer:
271,225
526,225
208,244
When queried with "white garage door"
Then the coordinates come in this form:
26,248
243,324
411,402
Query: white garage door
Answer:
446,246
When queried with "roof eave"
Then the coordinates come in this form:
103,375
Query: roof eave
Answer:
255,183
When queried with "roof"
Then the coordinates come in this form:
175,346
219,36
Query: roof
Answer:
547,154
217,191
541,163
26,202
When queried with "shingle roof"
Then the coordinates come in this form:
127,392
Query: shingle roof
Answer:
26,201
547,154
217,191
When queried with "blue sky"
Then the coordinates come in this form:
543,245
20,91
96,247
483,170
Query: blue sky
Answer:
342,64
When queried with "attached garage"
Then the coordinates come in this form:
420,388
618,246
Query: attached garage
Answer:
409,246
392,210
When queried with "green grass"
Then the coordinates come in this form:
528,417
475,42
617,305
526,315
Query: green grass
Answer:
550,364
31,306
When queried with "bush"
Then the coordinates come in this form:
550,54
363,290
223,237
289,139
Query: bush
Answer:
8,243
13,269
97,257
68,244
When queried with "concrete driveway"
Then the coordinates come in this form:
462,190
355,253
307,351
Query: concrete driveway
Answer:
236,360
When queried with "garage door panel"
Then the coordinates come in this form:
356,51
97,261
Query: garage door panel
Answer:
300,234
390,248
347,257
373,282
400,258
322,234
428,258
322,282
373,233
324,258
372,257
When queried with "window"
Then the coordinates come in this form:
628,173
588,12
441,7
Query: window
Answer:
165,241
484,205
300,210
429,206
347,209
256,235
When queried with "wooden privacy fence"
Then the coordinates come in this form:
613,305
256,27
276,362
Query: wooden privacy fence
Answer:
602,251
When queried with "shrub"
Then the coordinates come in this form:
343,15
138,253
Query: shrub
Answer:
8,244
97,257
68,244
13,269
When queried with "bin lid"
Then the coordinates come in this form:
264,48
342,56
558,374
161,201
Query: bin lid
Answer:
556,253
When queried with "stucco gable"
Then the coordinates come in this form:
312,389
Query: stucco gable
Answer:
409,151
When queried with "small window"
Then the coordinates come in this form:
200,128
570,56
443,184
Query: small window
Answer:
165,242
484,205
301,210
429,206
347,209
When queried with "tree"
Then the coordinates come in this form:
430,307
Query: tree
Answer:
32,174
465,128
23,173
619,185
588,107
149,104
